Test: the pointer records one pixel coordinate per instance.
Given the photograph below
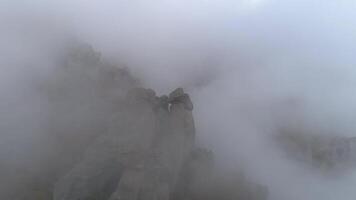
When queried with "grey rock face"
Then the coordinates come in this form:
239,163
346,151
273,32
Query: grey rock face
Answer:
149,153
163,102
141,142
104,142
179,97
78,97
173,143
124,146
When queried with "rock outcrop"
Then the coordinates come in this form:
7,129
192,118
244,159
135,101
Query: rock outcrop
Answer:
106,138
149,153
142,153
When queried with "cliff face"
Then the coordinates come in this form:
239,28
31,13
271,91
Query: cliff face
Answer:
108,139
149,153
79,95
141,154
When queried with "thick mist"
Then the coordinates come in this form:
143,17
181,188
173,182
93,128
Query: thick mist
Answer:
250,66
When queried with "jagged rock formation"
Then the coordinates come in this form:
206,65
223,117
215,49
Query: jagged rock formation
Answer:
109,139
145,148
149,154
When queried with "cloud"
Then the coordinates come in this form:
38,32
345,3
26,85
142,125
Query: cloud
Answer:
243,62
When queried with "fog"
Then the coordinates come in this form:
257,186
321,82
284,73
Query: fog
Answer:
250,66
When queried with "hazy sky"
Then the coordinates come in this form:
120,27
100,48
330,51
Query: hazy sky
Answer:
247,65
